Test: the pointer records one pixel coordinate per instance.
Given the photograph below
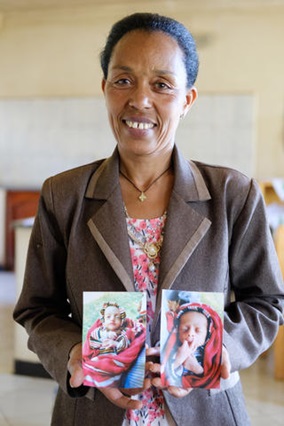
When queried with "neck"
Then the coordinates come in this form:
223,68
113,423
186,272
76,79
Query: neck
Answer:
143,171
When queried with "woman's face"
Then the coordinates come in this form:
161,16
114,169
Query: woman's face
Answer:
146,93
193,328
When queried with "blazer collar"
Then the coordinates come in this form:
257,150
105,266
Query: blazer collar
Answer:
189,183
105,179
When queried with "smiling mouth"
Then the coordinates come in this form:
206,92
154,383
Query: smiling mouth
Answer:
139,125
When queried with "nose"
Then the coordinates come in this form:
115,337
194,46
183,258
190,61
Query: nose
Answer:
190,332
140,97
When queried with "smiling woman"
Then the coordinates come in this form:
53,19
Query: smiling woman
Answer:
146,95
193,227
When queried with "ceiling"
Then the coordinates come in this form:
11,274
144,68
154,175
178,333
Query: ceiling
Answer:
17,5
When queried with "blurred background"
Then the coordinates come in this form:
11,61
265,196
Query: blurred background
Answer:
52,117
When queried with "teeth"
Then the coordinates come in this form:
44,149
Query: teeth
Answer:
140,126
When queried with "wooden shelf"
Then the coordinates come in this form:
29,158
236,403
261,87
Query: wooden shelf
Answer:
270,197
269,193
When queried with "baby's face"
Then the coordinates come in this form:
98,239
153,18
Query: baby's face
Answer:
112,320
193,328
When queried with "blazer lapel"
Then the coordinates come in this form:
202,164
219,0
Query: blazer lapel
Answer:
107,224
185,227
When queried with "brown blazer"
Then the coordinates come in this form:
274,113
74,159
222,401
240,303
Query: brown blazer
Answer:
216,239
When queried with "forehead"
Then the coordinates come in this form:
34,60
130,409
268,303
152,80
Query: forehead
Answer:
111,310
193,317
154,45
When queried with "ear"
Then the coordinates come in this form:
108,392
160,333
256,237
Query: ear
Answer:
190,98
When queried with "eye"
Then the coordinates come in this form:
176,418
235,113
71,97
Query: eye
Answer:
162,86
122,82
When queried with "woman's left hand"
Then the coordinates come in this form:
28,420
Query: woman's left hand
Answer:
155,368
225,364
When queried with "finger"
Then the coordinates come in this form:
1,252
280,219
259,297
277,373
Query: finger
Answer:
116,397
77,375
147,383
155,368
173,390
131,392
178,392
225,371
156,381
226,364
135,391
153,351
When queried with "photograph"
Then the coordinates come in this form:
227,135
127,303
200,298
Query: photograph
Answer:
191,339
114,333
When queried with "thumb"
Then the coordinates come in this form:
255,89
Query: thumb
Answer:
77,375
75,366
226,364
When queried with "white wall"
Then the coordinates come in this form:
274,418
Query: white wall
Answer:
54,53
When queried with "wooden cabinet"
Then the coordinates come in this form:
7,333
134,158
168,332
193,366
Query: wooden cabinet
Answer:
279,343
19,205
270,196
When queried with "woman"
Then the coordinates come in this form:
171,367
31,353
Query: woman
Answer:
147,219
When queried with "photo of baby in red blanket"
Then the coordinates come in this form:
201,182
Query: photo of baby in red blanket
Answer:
114,348
192,348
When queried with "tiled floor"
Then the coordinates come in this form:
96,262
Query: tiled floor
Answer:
26,401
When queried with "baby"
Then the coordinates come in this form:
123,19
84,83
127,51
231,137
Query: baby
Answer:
192,333
112,345
192,354
111,335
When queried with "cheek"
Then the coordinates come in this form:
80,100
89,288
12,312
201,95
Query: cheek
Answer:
202,338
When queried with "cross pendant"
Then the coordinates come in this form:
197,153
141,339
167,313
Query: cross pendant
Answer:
142,197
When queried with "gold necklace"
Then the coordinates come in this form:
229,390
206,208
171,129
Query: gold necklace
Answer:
142,197
150,249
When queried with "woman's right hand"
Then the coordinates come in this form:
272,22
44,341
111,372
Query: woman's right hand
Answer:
75,366
122,397
114,395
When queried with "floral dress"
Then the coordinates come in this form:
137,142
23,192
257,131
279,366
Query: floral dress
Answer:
146,273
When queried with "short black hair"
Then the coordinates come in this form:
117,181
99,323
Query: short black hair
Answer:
151,22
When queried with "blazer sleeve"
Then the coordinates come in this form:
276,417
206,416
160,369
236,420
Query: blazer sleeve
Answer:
252,318
43,307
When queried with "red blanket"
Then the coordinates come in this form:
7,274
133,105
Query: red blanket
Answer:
210,378
106,370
